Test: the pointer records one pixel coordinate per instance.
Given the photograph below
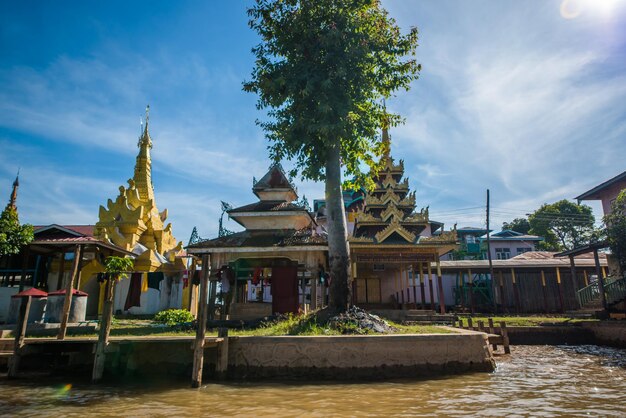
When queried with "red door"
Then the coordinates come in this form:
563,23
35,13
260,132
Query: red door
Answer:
285,289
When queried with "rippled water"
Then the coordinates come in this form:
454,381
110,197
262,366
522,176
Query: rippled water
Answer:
534,381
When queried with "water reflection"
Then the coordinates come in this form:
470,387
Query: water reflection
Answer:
534,381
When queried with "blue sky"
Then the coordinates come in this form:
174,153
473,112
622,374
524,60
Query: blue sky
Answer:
526,98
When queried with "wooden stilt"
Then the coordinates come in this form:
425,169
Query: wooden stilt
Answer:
600,279
494,346
481,326
20,332
586,278
502,298
198,352
572,266
67,303
430,287
442,301
462,289
470,323
221,366
460,322
505,338
105,328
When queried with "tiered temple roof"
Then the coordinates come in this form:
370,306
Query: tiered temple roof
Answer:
133,221
389,216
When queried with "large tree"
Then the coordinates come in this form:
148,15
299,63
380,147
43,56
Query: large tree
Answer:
520,225
13,235
616,230
323,68
563,224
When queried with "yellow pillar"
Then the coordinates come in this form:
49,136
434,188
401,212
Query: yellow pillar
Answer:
586,278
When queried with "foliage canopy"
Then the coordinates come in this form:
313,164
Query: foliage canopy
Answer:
13,235
563,225
520,225
118,267
322,68
616,229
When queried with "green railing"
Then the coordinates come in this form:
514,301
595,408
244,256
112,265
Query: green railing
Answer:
614,288
615,291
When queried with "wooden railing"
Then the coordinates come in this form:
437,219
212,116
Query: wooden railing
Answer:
614,288
615,291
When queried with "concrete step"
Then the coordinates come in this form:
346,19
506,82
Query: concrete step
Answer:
429,319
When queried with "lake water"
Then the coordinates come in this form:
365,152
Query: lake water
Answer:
534,381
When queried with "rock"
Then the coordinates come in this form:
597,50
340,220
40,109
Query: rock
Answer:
358,321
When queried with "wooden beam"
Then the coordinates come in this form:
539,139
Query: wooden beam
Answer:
505,308
198,353
105,328
586,275
67,303
20,332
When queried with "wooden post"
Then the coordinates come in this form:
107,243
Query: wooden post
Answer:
24,268
515,291
560,285
471,289
61,271
198,352
600,279
20,332
422,289
502,298
212,289
462,289
414,271
545,291
430,287
505,338
586,278
572,266
314,280
67,303
494,346
470,323
105,328
481,326
460,322
221,364
408,286
442,302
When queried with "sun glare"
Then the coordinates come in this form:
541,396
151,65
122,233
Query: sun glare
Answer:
571,9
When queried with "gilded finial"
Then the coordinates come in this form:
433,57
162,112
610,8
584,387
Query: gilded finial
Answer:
16,184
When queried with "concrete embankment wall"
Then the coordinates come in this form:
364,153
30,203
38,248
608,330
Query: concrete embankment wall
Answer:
285,357
357,357
608,333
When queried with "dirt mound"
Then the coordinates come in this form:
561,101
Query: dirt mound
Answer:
358,321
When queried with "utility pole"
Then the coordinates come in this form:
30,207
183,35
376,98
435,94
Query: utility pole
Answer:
491,276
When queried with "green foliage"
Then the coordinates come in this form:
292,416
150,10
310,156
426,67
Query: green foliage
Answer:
13,236
563,225
118,267
616,229
174,316
520,225
322,68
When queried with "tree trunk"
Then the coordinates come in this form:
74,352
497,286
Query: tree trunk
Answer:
105,328
338,250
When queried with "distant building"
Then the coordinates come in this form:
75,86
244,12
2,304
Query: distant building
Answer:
606,192
508,244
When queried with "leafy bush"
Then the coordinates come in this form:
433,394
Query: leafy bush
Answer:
174,316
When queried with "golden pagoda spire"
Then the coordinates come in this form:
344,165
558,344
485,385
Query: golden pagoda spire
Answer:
16,185
386,138
143,166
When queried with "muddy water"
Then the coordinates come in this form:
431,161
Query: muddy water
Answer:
534,381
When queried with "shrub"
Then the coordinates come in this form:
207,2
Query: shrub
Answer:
174,316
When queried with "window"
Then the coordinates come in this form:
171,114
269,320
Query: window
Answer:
470,239
503,253
523,250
